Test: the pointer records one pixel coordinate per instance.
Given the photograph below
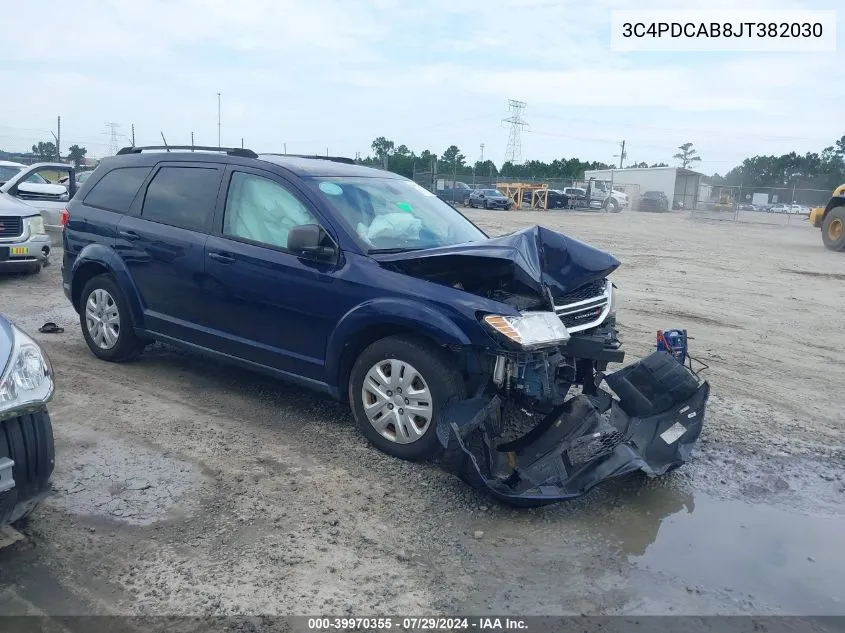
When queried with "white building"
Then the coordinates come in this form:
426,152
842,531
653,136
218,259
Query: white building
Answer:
680,185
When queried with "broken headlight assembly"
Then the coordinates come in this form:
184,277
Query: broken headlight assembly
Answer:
27,380
529,330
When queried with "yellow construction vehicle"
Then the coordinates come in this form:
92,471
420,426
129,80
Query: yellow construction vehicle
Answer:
831,220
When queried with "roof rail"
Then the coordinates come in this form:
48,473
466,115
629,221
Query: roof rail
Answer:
232,151
334,159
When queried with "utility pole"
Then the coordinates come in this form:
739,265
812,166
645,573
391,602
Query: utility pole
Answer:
242,142
482,152
59,138
192,141
285,146
622,154
218,120
133,135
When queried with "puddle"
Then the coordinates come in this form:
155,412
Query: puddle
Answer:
774,559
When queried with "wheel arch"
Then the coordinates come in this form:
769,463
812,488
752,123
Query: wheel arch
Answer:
374,321
96,259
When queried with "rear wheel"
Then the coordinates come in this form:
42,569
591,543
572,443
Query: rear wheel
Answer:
106,322
833,229
398,388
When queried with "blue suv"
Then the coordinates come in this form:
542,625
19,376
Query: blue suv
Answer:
362,284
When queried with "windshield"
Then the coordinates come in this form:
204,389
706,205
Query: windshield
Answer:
652,194
7,172
388,214
491,192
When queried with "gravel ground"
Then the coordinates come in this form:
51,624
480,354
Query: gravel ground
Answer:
184,487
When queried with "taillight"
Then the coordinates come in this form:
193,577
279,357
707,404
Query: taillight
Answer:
65,217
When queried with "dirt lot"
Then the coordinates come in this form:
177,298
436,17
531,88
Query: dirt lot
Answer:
187,487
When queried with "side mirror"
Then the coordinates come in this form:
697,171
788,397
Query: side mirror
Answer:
308,239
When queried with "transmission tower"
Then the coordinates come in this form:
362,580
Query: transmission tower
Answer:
517,123
113,144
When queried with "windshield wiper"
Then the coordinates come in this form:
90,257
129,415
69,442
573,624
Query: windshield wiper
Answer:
388,251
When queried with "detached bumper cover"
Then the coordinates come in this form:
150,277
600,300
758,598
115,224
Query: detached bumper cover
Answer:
588,440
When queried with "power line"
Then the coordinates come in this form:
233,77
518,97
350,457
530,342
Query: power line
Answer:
513,153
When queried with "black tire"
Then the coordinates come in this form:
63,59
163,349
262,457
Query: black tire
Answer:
128,346
486,205
612,207
35,268
833,229
28,441
444,381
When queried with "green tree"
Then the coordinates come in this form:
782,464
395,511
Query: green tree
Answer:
76,154
45,150
659,165
687,155
383,148
452,157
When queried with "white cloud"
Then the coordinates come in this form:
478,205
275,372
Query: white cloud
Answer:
337,73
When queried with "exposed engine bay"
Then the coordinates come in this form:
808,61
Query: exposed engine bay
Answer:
550,364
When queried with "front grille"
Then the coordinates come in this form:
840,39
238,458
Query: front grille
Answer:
587,291
10,226
583,308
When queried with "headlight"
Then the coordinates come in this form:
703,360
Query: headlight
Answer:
36,224
28,377
530,329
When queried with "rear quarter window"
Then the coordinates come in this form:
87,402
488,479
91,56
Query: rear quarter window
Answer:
117,189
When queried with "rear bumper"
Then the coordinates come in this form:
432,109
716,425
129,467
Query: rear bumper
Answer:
26,464
586,441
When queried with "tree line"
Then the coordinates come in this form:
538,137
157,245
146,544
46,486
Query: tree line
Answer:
822,170
45,151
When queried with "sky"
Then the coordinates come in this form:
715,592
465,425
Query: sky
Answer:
307,76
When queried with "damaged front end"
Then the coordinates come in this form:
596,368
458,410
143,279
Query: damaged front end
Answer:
552,350
582,442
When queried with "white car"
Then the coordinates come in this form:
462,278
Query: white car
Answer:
26,184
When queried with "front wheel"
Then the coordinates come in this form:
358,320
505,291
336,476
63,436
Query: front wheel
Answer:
612,207
833,229
398,388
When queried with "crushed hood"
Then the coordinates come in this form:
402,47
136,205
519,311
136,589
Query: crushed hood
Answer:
537,257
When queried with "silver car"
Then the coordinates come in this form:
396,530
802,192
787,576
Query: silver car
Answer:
24,244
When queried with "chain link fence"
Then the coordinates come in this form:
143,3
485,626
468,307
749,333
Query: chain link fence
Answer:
786,206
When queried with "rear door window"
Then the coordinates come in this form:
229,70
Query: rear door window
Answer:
183,197
117,189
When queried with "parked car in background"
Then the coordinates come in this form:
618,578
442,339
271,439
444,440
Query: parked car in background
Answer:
779,208
27,452
554,199
653,201
455,193
31,187
489,199
81,177
24,243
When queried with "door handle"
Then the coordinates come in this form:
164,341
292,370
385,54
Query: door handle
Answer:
223,258
130,235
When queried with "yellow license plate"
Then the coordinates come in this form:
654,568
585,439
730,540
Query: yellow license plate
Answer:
20,250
